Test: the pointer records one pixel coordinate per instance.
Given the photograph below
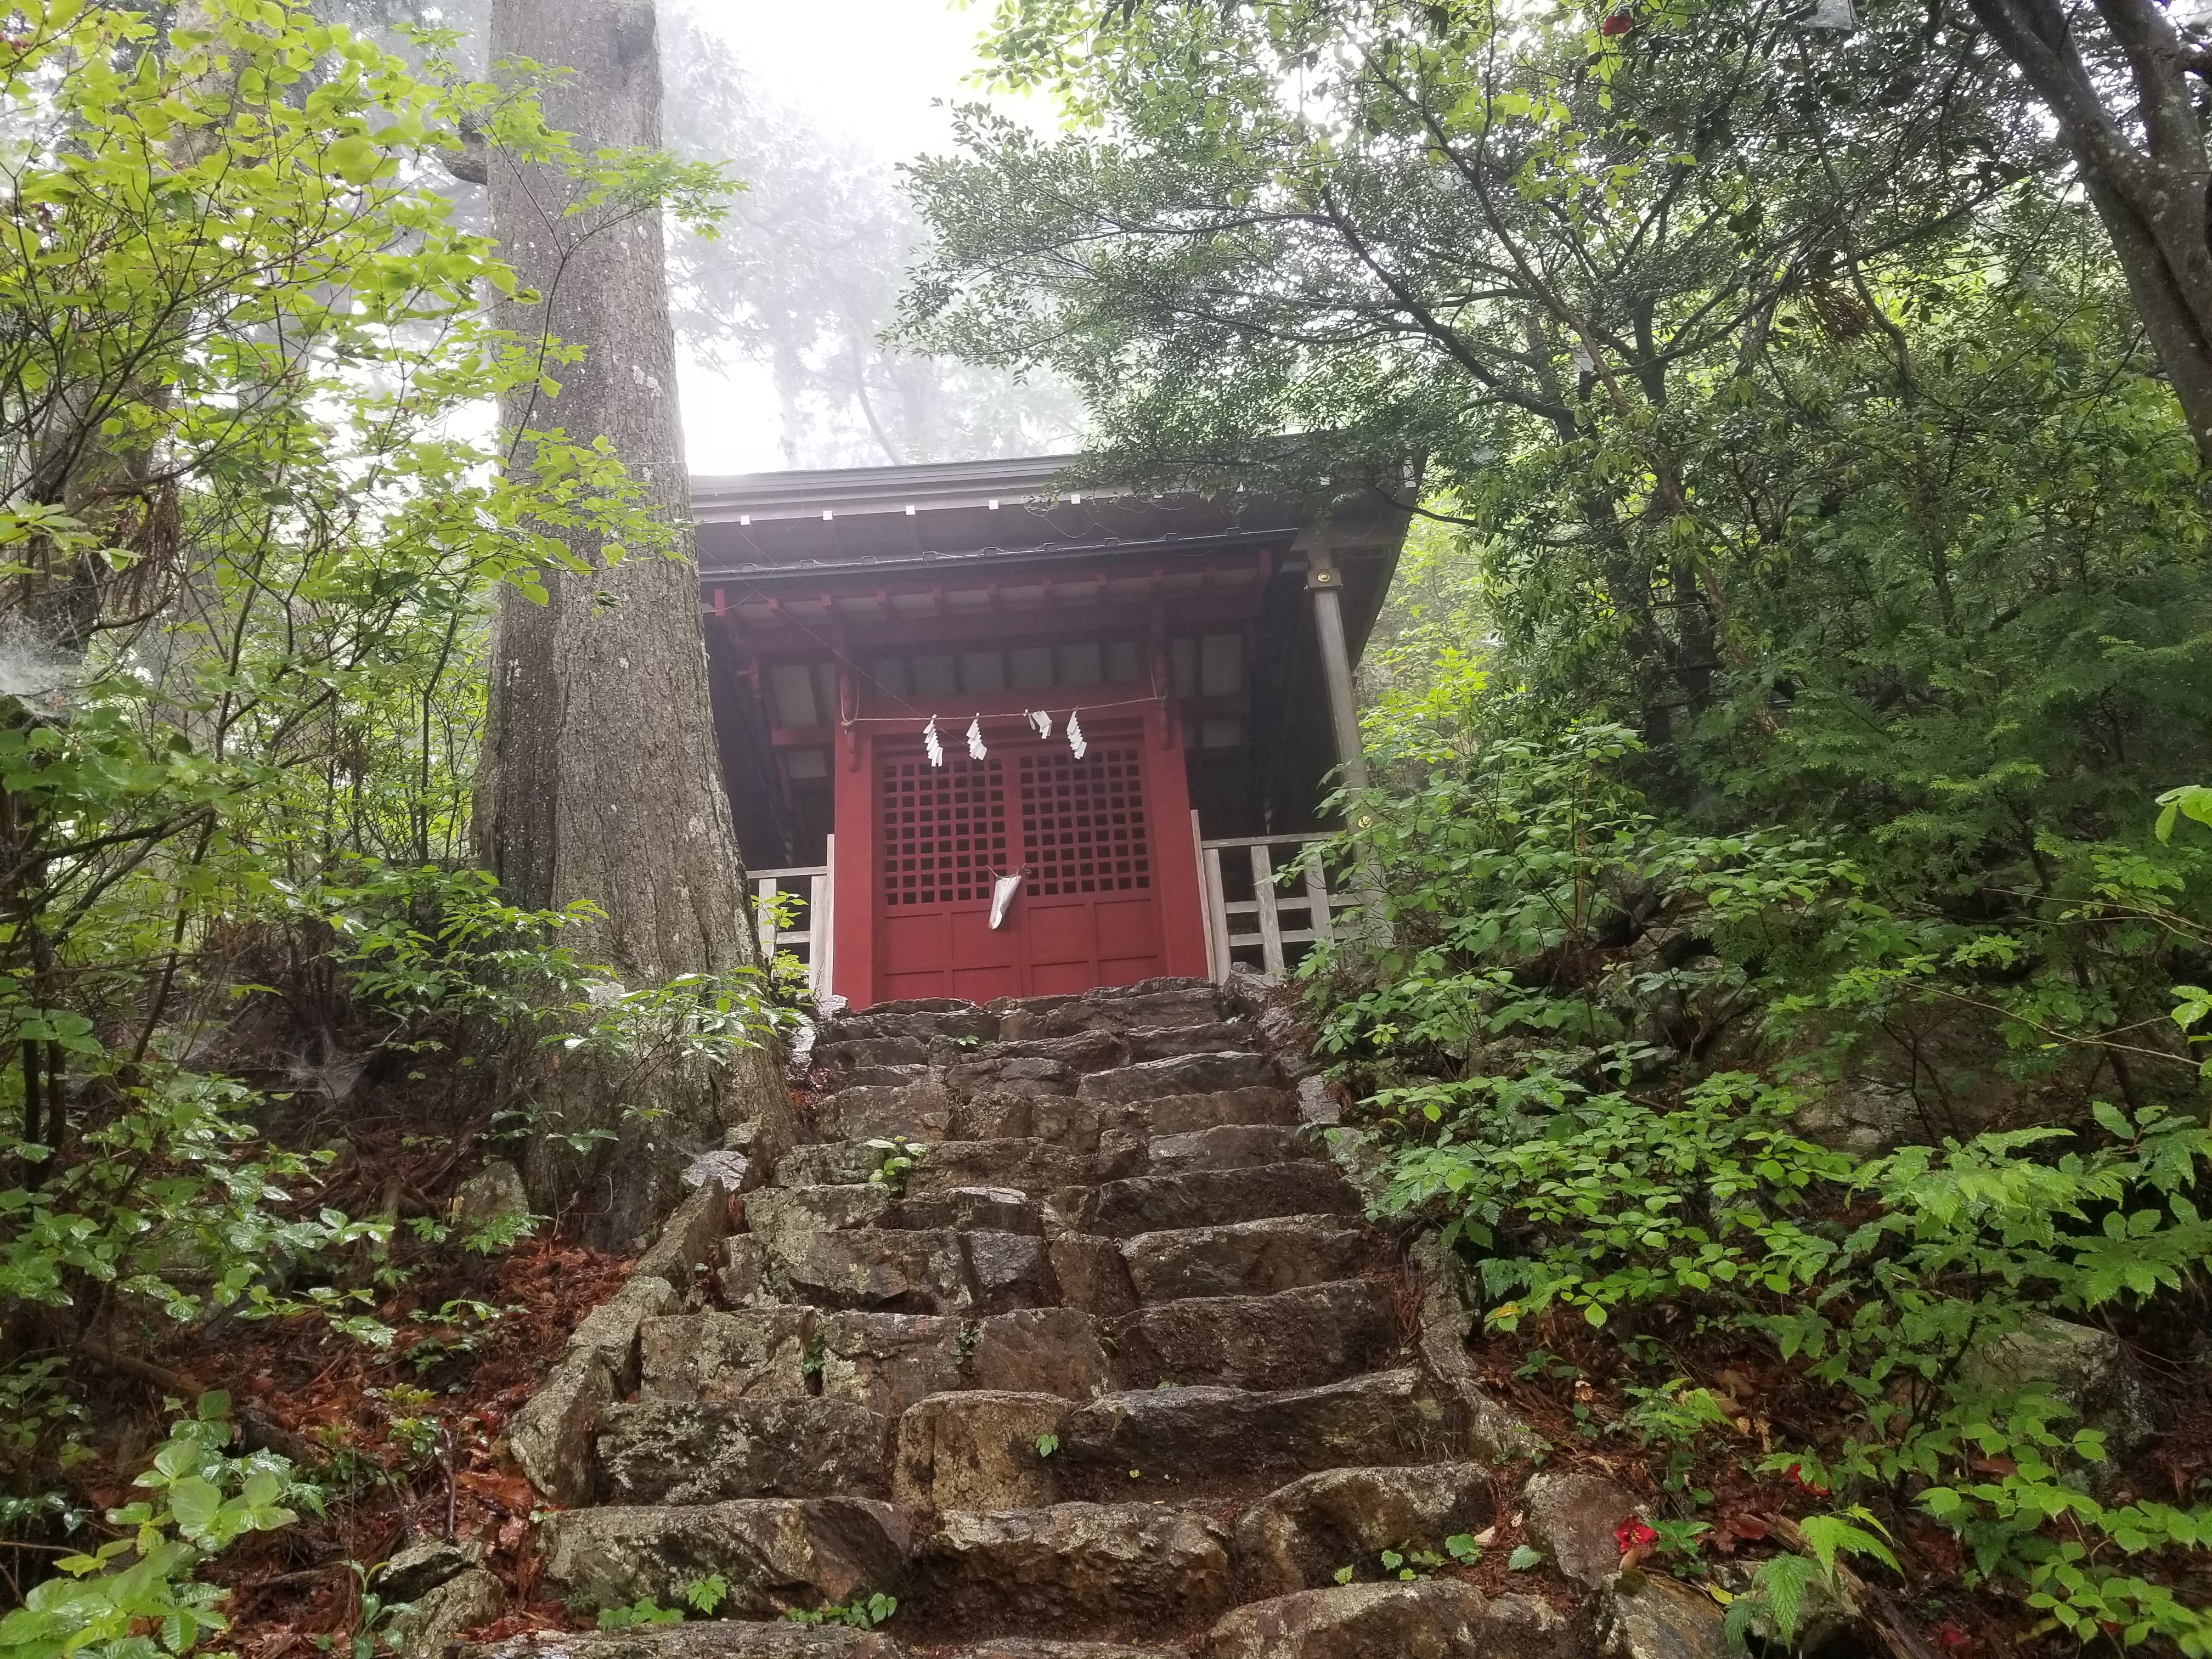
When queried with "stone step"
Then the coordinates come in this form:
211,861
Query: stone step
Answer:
1150,1204
1025,1647
888,1361
756,1353
666,1451
1170,1438
1071,1567
698,1638
772,1553
921,1110
781,1219
999,1065
1442,1618
1156,1003
1296,1339
1183,1074
1298,1537
1027,1164
937,1270
1150,1043
826,1163
1228,1146
1245,1258
1080,1125
977,1449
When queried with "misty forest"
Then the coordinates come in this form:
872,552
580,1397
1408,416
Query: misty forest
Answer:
585,1075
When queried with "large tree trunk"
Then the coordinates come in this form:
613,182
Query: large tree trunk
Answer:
599,779
2145,169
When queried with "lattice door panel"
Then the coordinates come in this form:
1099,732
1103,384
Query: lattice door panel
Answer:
1083,822
945,829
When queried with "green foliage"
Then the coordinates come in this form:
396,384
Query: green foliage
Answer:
134,1596
900,1158
861,1613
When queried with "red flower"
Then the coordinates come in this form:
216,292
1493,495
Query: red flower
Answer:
1618,22
1633,1534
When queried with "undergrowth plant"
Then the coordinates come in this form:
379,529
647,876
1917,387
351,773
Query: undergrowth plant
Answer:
1559,1097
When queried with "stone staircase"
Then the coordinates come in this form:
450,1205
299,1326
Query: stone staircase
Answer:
1115,1372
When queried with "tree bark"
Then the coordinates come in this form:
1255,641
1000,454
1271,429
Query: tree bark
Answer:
599,779
2146,172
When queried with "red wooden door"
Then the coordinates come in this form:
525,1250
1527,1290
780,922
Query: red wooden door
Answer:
1088,909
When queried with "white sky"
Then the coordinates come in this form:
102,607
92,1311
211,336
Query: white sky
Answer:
867,71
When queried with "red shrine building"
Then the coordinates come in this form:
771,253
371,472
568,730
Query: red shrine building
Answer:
994,737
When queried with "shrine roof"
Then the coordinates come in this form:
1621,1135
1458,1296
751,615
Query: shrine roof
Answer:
976,511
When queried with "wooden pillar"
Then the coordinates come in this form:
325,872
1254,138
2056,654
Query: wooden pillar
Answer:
1326,583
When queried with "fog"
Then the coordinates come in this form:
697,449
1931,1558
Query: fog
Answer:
780,320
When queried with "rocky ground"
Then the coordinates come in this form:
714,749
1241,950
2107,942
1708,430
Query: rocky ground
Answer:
1114,1371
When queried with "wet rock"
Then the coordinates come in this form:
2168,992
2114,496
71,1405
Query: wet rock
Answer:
423,1566
1177,1114
785,1219
1227,1146
1318,1102
1572,1519
887,1362
1052,1351
1073,1566
1172,1042
992,1115
494,1193
852,1056
1007,1270
550,1437
1022,1647
723,1163
705,1639
1189,1434
1444,1318
2079,1364
1092,1275
740,1278
772,1552
1247,1258
920,1111
965,1209
1182,1074
442,1612
1643,1616
826,1163
1868,1116
1291,1340
689,1239
886,1268
1435,1618
1032,1166
609,1332
758,1354
1078,1125
1295,1538
977,1449
911,1019
672,1452
1156,1203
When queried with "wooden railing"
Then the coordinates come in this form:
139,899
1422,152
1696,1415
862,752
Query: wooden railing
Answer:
808,938
1251,917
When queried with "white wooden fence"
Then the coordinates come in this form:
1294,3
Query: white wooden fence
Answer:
809,938
1273,927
